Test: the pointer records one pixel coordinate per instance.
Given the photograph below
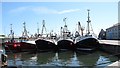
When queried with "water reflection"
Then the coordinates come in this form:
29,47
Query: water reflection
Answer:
44,58
88,59
68,58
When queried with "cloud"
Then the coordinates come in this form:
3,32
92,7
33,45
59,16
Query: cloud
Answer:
52,11
43,10
68,11
19,9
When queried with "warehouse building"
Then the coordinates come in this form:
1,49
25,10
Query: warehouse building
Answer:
113,32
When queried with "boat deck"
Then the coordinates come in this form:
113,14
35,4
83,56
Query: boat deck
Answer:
31,42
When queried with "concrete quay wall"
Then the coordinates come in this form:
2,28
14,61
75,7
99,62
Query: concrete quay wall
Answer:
110,46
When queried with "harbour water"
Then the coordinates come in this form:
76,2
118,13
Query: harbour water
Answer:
58,59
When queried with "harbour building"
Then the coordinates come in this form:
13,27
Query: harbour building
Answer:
113,32
102,34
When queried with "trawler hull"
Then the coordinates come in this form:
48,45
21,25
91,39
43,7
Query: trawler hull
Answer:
27,47
87,44
19,47
12,47
44,45
65,44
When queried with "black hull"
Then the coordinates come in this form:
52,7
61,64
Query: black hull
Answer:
65,44
88,44
44,45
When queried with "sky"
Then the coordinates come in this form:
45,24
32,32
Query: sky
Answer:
102,15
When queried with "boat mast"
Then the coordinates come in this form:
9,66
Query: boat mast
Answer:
38,28
11,31
43,27
65,31
65,26
61,32
24,34
79,27
11,35
88,23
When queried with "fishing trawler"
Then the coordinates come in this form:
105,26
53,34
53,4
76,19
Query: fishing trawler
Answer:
21,44
65,42
26,44
87,42
45,42
11,44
